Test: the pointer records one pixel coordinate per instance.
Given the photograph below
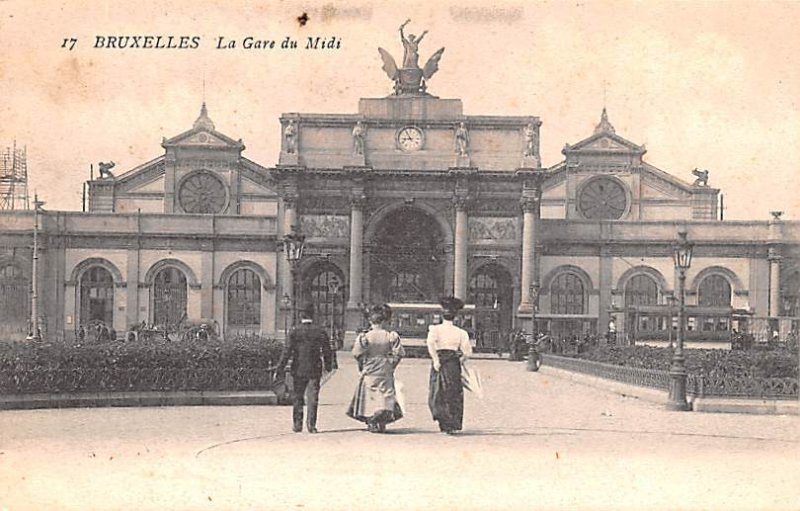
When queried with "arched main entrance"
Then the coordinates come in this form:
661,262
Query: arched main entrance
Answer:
491,290
407,259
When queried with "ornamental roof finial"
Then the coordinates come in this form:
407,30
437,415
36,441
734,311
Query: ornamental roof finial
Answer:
604,126
203,121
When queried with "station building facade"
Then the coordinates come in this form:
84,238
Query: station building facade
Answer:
402,201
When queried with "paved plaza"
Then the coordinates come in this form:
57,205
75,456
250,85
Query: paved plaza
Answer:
533,442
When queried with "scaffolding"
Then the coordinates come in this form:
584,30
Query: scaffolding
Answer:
14,178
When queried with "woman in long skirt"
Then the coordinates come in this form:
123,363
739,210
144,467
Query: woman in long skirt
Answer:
448,346
378,352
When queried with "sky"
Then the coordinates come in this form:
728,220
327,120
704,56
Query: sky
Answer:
712,85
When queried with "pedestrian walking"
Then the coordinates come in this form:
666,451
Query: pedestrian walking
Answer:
378,351
448,346
309,349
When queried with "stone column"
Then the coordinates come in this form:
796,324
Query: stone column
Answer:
289,221
774,283
529,210
460,248
207,281
356,252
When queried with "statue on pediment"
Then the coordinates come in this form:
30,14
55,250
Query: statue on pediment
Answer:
105,169
410,78
702,177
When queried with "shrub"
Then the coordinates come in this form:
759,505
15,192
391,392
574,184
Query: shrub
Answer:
240,363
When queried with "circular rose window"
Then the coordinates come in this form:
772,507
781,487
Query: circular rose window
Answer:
202,192
602,198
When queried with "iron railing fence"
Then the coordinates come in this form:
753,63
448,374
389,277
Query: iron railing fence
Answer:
699,385
641,377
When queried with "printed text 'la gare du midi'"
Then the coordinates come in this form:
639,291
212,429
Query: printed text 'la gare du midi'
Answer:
189,42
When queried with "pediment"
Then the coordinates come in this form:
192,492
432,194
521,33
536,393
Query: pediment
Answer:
203,137
604,142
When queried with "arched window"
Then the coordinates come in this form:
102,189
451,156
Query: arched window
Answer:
641,289
244,299
14,296
714,291
97,296
325,289
169,297
567,294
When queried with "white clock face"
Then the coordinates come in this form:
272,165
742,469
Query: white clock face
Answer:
410,139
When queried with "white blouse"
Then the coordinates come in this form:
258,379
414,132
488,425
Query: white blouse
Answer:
447,336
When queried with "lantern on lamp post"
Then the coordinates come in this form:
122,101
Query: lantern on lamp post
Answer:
293,246
682,252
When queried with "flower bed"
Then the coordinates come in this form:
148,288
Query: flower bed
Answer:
242,363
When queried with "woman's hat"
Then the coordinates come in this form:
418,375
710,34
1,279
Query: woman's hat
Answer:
451,304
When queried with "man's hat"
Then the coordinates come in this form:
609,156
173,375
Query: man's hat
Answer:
451,304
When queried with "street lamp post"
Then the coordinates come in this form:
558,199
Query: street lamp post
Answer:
293,245
533,355
35,334
677,371
671,306
333,289
286,302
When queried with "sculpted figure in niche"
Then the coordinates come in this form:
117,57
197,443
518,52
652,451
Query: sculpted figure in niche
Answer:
530,140
410,47
358,138
290,137
462,140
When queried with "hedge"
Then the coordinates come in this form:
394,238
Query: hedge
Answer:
242,363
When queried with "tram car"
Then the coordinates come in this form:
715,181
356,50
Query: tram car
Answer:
411,321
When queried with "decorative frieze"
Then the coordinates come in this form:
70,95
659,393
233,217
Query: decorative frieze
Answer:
492,228
325,226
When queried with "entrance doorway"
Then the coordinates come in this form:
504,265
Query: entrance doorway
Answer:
407,263
491,290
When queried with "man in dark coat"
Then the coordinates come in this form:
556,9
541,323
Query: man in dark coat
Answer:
308,347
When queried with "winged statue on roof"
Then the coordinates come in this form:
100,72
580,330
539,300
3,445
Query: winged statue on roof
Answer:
410,78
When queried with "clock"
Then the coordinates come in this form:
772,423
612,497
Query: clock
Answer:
202,192
602,198
410,138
